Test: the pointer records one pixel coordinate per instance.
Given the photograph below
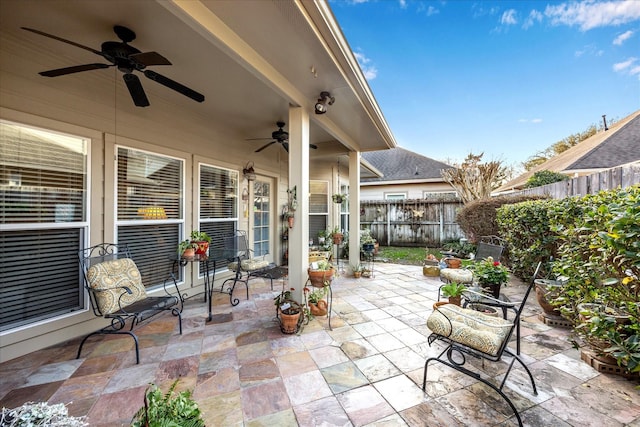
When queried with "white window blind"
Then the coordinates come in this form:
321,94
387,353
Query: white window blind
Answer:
150,195
43,199
318,208
218,210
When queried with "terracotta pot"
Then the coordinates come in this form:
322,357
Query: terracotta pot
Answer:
289,322
319,277
357,274
337,238
318,309
543,287
453,262
189,253
203,247
439,304
456,300
290,221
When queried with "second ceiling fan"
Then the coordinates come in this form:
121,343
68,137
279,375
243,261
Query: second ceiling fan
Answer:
279,136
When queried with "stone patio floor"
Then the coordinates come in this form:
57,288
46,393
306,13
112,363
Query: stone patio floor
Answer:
365,371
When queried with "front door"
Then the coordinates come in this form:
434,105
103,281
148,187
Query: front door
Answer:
262,218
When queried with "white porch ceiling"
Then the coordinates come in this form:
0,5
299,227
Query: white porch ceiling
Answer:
251,59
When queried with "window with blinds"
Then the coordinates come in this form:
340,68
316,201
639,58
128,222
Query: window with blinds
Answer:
344,209
318,208
43,199
218,209
149,211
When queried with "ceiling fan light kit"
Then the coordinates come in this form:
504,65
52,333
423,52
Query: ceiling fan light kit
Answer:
126,59
324,100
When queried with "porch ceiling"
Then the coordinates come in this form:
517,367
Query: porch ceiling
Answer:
251,60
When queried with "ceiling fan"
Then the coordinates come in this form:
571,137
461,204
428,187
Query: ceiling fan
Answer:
281,136
127,59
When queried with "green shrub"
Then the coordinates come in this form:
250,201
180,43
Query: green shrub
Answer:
545,177
167,409
478,218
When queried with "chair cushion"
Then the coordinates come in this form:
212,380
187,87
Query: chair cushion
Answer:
470,328
109,278
459,275
249,264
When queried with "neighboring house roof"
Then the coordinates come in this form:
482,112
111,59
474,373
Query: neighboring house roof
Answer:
617,146
401,165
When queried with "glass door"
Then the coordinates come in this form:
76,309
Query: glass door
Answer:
262,217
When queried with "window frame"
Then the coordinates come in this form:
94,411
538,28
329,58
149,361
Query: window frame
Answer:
92,171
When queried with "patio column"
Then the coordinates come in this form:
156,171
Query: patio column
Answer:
354,207
299,179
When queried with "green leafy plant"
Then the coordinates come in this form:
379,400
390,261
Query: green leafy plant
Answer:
40,414
453,289
317,294
200,236
186,244
488,271
168,410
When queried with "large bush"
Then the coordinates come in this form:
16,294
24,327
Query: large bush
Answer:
478,218
545,177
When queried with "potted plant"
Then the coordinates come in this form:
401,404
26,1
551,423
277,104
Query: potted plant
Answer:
165,409
454,292
289,216
337,235
40,414
338,198
316,301
320,273
288,312
491,275
187,249
202,241
367,242
357,270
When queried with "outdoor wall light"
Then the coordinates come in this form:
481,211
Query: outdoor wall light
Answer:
248,172
324,100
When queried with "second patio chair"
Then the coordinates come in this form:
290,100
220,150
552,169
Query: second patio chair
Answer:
470,332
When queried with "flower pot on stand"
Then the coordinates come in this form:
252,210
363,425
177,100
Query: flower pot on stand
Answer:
319,308
290,221
492,289
319,277
337,238
290,317
203,247
453,262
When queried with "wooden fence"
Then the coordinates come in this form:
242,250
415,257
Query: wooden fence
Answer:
623,176
419,222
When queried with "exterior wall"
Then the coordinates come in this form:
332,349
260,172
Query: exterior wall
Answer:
162,130
412,191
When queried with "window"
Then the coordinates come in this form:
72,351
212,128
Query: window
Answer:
344,209
395,196
261,215
43,223
218,205
318,208
149,211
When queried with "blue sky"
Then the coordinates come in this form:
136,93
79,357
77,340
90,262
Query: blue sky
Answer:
507,78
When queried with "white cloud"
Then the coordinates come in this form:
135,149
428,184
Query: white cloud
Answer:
622,37
629,64
589,49
534,16
509,17
369,70
534,121
403,3
590,14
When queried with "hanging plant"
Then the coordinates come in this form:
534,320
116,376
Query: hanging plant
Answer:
339,198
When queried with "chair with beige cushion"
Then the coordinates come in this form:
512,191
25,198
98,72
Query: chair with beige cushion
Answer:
470,332
243,264
116,292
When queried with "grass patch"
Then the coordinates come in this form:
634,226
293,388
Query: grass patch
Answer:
405,255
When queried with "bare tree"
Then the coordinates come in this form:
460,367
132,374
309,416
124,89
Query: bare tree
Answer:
474,179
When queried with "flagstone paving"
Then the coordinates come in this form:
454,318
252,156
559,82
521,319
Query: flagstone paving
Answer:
366,370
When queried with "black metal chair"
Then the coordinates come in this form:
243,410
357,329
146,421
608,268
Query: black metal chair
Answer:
242,262
470,332
116,291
